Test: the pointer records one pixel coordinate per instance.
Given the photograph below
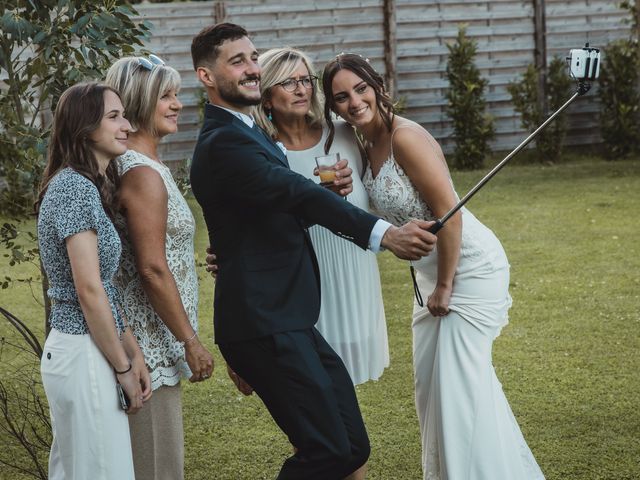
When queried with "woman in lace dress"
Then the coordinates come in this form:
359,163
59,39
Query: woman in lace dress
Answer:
90,348
351,314
467,427
157,278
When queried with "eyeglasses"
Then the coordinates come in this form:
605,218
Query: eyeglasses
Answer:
291,84
150,62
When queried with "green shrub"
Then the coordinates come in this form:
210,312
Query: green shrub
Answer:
632,7
620,98
472,128
524,95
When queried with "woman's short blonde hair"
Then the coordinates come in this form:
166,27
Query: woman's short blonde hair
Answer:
141,88
277,65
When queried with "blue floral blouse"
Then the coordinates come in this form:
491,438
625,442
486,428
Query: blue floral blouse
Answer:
72,205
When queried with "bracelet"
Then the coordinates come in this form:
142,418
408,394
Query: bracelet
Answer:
190,339
123,371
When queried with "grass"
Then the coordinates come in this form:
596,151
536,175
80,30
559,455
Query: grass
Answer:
568,360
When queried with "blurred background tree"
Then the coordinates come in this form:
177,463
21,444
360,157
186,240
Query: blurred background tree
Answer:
524,95
45,47
620,90
472,128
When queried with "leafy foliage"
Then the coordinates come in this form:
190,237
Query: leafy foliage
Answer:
633,7
17,253
46,46
620,98
473,129
524,95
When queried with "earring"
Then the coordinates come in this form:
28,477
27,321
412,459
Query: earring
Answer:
269,116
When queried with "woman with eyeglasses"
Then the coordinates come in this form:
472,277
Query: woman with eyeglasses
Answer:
157,278
468,429
351,314
90,351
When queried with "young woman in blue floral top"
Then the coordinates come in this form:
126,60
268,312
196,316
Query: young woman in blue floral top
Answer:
90,347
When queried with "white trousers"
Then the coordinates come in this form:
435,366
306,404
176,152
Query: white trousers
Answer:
90,431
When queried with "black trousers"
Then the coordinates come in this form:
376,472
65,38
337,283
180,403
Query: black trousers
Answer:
308,391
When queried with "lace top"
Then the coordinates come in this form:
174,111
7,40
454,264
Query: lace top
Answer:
392,195
163,354
72,205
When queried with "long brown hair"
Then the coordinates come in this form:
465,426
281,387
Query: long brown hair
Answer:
78,114
359,66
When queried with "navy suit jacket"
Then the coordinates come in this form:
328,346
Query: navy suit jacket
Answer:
257,212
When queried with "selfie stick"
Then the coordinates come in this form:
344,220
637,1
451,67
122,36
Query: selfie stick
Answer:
583,88
584,65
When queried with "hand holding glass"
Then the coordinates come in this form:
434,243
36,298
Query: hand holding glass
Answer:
327,168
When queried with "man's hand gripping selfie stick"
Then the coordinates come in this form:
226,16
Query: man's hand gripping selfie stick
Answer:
584,66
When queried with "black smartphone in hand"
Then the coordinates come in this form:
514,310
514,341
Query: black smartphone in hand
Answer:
122,396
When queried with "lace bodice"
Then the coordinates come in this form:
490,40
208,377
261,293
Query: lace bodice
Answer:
391,193
393,196
162,352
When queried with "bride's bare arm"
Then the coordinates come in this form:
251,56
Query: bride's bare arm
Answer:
421,158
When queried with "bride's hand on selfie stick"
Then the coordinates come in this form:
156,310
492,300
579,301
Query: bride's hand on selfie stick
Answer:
411,241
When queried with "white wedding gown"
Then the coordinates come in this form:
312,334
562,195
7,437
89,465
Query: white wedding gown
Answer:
468,430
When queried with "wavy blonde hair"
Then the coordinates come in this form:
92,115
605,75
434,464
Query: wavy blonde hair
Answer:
277,65
140,89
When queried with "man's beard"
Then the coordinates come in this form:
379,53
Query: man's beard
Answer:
230,93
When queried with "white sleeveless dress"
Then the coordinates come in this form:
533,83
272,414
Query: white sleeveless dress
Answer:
468,430
352,316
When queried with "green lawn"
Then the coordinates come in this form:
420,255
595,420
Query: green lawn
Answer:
568,360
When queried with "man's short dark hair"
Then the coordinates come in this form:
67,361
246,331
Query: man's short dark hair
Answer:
206,44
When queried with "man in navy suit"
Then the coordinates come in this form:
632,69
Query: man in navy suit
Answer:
267,295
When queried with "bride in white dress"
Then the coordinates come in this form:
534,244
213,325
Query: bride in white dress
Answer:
467,427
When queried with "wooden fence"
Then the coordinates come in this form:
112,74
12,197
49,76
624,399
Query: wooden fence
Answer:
407,40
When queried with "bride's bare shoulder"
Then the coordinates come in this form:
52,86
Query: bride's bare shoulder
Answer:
409,138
